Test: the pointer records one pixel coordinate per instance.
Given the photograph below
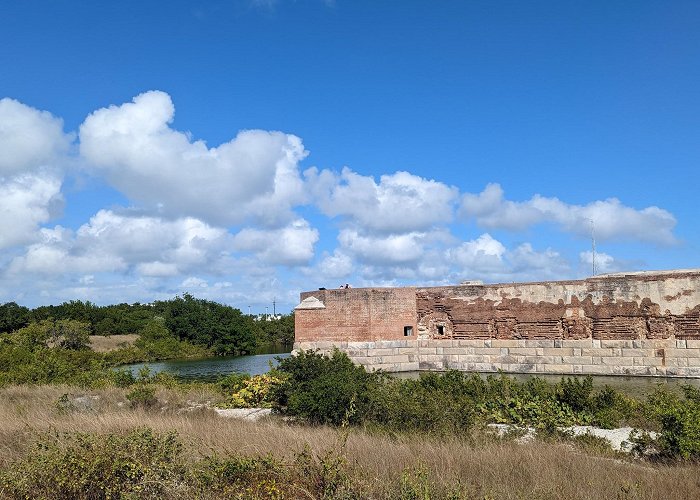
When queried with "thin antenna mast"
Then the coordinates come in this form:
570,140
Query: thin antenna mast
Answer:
593,245
274,309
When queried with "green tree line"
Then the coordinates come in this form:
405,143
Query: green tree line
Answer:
220,328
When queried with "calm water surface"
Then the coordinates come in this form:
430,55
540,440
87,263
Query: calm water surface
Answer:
208,369
632,386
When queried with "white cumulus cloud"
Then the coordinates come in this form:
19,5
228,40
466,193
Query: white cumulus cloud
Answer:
399,203
612,220
254,175
26,201
290,245
29,138
112,242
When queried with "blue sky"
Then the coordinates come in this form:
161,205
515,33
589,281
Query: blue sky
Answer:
246,150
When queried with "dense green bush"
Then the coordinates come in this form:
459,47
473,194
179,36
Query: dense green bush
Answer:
679,419
321,389
140,463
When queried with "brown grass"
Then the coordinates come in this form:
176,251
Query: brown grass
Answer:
106,343
477,467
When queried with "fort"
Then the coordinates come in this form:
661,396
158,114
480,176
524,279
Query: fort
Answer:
644,323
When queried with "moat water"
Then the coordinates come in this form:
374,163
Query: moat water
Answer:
209,369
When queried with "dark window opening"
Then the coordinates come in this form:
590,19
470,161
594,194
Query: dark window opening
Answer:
407,331
441,330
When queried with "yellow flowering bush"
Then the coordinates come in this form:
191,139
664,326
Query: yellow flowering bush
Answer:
255,391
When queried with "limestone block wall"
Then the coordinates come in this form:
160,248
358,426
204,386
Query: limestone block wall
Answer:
668,357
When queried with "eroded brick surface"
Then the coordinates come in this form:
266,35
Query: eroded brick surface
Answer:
625,307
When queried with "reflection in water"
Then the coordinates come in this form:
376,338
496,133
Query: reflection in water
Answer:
632,386
209,369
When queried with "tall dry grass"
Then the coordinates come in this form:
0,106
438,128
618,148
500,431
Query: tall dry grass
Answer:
106,343
476,467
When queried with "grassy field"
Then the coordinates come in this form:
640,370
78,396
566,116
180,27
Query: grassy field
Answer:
370,465
106,343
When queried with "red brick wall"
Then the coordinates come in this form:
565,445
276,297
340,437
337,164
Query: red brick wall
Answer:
357,315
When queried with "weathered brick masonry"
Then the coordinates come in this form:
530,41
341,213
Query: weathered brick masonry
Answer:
617,324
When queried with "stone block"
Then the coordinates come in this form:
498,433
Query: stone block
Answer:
506,343
616,343
577,343
596,370
505,360
471,358
353,353
367,360
538,343
398,358
380,352
470,343
580,360
692,344
455,365
360,345
549,360
387,367
320,344
693,361
635,371
681,344
558,351
523,351
648,361
521,368
617,361
430,357
558,368
637,352
490,351
427,350
430,365
454,350
679,353
486,367
597,351
675,371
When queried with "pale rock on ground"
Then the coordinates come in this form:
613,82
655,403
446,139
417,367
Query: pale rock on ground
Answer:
619,439
244,413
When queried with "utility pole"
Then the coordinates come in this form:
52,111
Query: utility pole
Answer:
592,245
